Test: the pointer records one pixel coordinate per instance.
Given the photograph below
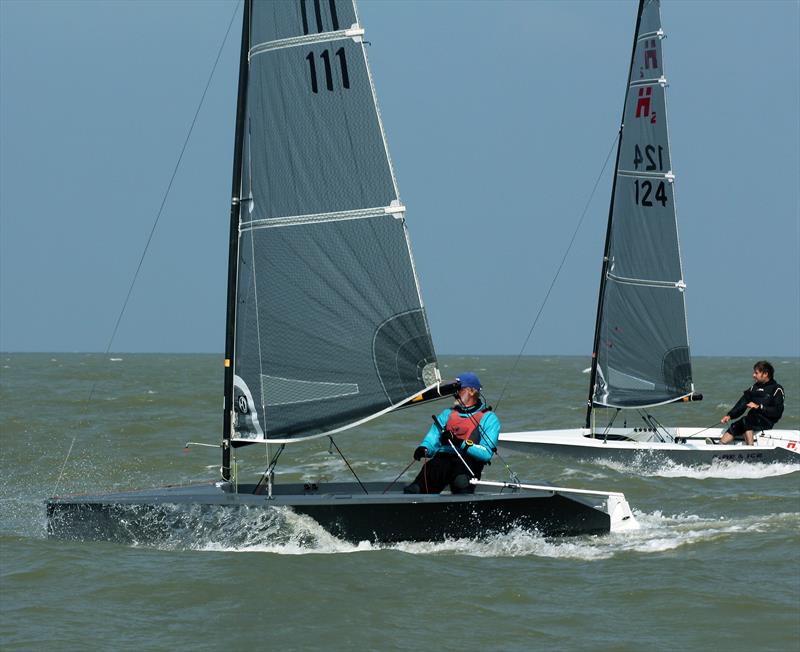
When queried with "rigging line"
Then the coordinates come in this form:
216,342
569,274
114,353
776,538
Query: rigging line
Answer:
150,237
443,430
398,476
270,469
558,271
512,474
611,423
360,484
656,424
716,424
172,179
648,420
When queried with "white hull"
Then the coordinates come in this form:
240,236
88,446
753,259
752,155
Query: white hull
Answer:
688,446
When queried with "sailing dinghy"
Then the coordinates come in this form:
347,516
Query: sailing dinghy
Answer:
641,348
326,327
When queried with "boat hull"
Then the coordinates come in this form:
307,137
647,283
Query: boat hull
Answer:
686,446
342,509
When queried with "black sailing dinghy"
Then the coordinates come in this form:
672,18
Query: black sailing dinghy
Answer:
641,347
325,323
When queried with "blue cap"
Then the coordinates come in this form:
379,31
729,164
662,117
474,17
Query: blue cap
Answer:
469,379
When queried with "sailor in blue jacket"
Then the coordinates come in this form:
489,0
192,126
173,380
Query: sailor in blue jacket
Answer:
470,428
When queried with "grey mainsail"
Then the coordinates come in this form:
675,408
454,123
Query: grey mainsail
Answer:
641,342
329,322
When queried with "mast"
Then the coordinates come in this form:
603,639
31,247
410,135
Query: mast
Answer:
604,270
233,244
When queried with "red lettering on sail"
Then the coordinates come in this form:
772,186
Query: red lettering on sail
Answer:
643,105
650,54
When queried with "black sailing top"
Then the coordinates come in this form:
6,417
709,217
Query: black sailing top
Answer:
768,395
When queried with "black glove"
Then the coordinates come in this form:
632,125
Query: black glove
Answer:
446,437
420,452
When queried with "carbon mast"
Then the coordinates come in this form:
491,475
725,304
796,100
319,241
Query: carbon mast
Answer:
604,270
233,245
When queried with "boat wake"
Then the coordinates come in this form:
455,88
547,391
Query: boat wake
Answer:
724,469
242,529
658,533
281,531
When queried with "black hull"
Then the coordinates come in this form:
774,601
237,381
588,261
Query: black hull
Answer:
342,509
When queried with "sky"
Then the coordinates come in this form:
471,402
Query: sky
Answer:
499,116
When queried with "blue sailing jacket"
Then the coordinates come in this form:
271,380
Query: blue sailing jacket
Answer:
489,429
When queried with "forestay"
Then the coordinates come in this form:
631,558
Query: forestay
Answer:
330,326
642,344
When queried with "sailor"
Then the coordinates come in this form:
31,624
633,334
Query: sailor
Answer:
765,401
463,436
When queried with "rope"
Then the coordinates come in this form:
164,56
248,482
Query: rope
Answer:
719,424
270,468
398,476
511,473
652,422
608,427
150,237
558,271
677,438
360,484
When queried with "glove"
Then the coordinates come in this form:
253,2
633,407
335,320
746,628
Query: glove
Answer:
419,453
446,437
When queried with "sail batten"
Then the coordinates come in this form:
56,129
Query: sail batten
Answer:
659,33
355,32
646,175
330,326
641,341
357,214
648,282
661,81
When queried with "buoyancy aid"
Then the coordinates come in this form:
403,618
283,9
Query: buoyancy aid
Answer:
466,425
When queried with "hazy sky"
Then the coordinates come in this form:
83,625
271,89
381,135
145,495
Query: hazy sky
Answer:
499,116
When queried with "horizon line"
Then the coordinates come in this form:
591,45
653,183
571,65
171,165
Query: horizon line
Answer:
462,355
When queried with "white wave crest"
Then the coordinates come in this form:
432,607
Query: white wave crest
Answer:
283,532
724,469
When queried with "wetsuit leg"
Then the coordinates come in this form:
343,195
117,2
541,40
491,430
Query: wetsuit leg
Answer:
755,422
432,478
461,477
737,430
461,485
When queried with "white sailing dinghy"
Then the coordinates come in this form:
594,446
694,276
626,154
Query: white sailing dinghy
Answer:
325,323
641,349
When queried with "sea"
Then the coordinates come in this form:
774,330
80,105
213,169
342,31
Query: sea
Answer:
714,566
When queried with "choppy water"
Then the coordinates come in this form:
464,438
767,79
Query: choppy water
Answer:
716,564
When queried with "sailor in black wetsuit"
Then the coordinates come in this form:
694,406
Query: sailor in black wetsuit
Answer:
765,400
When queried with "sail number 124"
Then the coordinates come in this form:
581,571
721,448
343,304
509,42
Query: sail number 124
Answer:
654,158
644,193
